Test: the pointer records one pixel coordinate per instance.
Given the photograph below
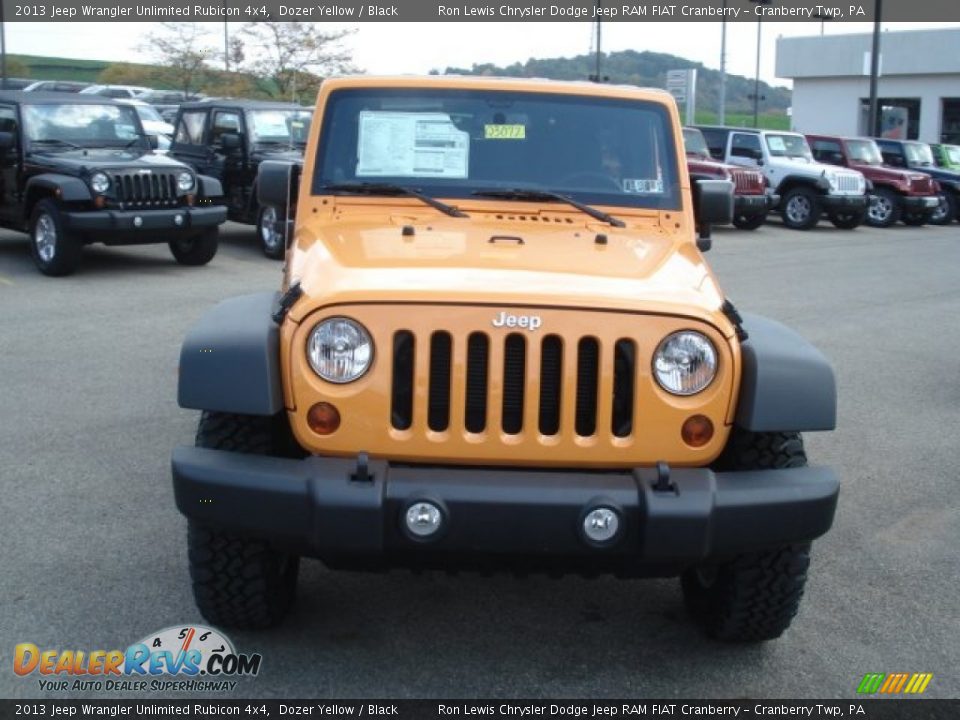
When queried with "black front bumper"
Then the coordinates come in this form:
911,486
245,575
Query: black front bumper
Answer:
319,507
845,202
920,203
144,226
754,204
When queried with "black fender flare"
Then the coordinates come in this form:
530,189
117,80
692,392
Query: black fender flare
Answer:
209,187
818,184
65,188
786,383
230,359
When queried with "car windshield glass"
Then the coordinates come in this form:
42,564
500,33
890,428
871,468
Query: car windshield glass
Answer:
84,125
865,151
694,142
789,146
453,143
918,153
279,126
953,153
148,113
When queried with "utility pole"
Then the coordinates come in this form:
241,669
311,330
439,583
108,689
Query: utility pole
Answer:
3,49
874,120
226,41
722,115
756,79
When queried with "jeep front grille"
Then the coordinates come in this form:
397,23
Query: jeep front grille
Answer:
136,189
848,183
747,182
525,365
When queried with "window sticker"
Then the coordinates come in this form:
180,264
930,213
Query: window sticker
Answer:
776,143
643,186
505,132
270,124
411,144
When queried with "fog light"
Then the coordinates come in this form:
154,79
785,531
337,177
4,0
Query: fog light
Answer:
697,431
178,219
423,519
323,418
137,221
601,525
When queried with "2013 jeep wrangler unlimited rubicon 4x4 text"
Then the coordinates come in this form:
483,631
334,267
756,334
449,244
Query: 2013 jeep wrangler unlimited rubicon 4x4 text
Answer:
78,169
498,345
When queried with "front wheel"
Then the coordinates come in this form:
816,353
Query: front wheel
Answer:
918,219
270,232
884,209
749,222
55,251
847,220
800,208
946,211
196,250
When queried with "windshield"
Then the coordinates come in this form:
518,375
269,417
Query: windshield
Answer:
282,126
453,143
865,151
84,125
918,154
148,113
694,142
794,146
953,153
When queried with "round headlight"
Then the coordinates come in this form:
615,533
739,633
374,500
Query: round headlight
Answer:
339,350
100,182
185,181
685,363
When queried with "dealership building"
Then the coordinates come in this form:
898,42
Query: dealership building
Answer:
918,89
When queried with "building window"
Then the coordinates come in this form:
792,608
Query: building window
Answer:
899,118
950,123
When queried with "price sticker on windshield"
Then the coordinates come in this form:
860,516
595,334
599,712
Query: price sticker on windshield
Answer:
505,132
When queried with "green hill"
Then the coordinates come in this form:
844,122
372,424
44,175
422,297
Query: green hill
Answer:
649,69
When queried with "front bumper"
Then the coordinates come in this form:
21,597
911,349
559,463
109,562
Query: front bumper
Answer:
754,204
917,203
121,226
845,202
319,507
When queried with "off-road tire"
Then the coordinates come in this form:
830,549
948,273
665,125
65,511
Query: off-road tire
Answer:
754,596
196,250
278,250
62,251
805,196
951,206
915,219
239,581
749,222
887,209
847,220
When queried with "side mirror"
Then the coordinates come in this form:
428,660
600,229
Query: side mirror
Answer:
230,142
712,205
278,183
7,141
153,141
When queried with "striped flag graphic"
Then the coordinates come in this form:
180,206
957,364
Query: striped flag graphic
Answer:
894,683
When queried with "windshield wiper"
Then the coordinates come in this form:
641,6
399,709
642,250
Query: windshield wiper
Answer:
57,141
369,188
541,195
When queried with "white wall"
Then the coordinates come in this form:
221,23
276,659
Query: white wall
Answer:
832,105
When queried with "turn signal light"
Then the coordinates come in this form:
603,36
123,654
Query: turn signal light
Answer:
99,201
697,430
323,418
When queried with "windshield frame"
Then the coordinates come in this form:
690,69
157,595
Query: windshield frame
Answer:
83,143
250,125
807,155
670,199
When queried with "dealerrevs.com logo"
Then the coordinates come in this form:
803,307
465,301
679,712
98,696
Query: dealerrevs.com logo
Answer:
197,657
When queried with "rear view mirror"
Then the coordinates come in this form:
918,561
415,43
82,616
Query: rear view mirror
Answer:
712,205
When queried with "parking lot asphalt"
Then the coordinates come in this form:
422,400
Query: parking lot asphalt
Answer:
93,553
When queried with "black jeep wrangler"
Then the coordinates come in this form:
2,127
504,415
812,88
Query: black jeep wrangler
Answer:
228,139
77,169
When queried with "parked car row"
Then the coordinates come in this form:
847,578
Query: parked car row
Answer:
848,180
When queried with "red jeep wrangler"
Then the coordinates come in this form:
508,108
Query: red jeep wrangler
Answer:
897,194
751,201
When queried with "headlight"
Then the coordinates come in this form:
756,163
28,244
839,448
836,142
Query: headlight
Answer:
339,350
185,181
100,182
685,363
832,180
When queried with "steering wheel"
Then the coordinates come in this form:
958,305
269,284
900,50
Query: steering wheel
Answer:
588,179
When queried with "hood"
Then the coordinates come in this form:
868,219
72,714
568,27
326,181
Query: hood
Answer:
708,166
486,259
157,127
939,173
77,162
885,172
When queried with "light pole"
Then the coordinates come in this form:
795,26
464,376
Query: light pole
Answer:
722,115
874,119
756,79
3,49
226,41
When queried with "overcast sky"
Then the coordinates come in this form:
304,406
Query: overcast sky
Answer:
419,47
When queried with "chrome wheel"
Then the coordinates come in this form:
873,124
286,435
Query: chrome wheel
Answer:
798,209
269,236
880,209
943,207
45,237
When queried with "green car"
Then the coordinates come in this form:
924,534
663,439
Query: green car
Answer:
947,156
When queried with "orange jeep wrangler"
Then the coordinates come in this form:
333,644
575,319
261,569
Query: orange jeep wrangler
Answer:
498,346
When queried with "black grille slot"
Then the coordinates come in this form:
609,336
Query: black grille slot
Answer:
624,371
551,380
401,401
588,365
514,366
478,359
136,188
438,407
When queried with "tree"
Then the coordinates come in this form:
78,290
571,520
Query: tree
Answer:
183,50
296,56
129,74
17,68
